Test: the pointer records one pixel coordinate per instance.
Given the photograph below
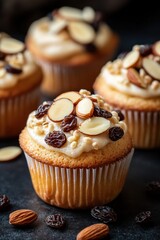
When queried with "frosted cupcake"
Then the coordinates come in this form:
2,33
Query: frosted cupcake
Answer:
78,150
71,46
20,79
132,84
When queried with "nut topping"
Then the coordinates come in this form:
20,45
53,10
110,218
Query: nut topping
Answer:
131,59
156,48
94,126
70,13
135,78
152,68
75,97
95,231
22,217
59,109
85,108
11,46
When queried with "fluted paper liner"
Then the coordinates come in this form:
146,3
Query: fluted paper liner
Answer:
14,112
78,187
144,128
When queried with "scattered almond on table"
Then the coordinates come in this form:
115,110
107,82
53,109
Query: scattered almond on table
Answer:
9,153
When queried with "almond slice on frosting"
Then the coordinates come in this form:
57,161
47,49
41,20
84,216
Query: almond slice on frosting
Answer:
59,109
94,126
85,108
88,14
70,13
156,48
11,46
81,32
57,26
75,97
9,153
131,59
152,68
135,78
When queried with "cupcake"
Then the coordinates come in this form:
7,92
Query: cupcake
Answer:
71,45
78,150
131,84
20,80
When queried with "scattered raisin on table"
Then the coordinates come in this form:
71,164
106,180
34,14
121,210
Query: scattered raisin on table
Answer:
4,202
104,213
115,133
55,139
153,188
145,50
68,123
120,114
99,112
42,109
143,217
55,221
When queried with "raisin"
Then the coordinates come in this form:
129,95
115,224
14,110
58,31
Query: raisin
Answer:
55,221
145,50
104,213
115,133
13,70
99,112
55,139
98,19
143,217
2,56
120,115
69,123
90,47
153,188
42,109
4,202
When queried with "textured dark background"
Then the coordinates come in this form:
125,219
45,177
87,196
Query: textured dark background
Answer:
136,22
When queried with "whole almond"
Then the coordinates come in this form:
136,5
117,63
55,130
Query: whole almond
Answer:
22,217
95,231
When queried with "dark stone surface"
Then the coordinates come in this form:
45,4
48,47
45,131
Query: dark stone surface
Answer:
16,184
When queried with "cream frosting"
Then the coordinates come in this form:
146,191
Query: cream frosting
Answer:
116,76
77,142
27,65
59,44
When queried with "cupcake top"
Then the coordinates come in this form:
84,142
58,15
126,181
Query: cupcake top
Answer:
74,123
136,73
69,31
16,63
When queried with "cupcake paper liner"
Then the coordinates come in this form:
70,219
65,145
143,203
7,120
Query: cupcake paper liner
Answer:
14,112
144,128
78,187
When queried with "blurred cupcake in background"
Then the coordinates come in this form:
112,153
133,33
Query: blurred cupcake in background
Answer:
20,79
131,83
71,45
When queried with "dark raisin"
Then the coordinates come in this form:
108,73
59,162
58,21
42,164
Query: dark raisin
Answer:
98,19
69,123
104,213
120,115
4,202
143,217
55,139
145,50
122,55
90,47
115,133
55,221
99,112
42,109
13,70
153,188
2,56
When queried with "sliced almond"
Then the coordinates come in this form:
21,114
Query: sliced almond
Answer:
75,97
85,108
152,68
135,78
156,48
2,72
94,126
58,26
131,59
81,32
88,14
59,109
11,46
9,153
70,13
